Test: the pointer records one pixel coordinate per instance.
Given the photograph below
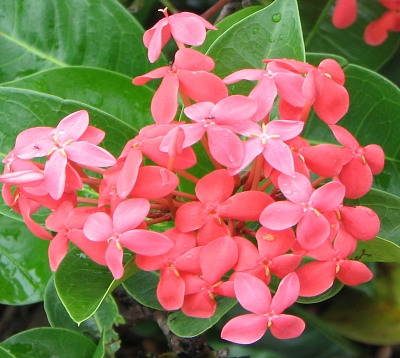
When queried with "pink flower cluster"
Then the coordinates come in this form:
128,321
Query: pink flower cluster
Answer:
345,14
262,179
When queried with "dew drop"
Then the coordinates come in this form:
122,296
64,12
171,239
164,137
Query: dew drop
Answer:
277,17
61,132
288,192
280,37
278,210
231,158
295,193
255,30
164,177
189,257
271,39
253,51
285,184
370,212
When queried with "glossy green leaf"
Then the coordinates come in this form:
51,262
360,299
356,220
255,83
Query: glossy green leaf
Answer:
321,36
49,342
22,109
108,91
272,32
24,268
373,117
38,35
185,326
142,287
83,285
5,354
98,327
333,291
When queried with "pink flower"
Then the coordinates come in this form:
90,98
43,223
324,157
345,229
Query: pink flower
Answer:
190,75
304,208
185,27
255,297
72,140
121,230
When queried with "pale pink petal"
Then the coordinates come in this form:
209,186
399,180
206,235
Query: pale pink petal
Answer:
215,187
88,154
114,256
146,242
164,104
192,60
279,156
129,172
93,135
252,294
157,73
155,38
285,129
297,188
199,305
361,222
312,230
344,137
281,215
130,214
98,227
234,108
375,158
286,294
56,220
264,93
199,111
245,329
328,197
188,30
54,174
287,326
23,178
72,126
272,243
191,216
246,74
211,230
58,248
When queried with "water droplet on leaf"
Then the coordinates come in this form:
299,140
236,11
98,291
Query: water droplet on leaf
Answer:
277,17
255,30
271,39
280,37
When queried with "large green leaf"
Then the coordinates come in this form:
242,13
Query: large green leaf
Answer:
321,36
49,342
83,285
24,268
373,117
185,326
22,109
99,326
5,354
108,91
272,32
37,35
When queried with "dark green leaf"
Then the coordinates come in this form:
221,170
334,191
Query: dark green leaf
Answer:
333,291
24,268
83,285
142,287
185,326
5,354
373,117
108,91
38,35
98,327
49,342
272,32
321,36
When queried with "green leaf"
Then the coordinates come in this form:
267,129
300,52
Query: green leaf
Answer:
142,286
98,327
24,268
21,109
184,326
83,285
373,117
49,342
39,35
377,250
332,291
5,354
321,36
272,32
108,91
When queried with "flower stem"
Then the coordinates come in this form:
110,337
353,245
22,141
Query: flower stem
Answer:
187,176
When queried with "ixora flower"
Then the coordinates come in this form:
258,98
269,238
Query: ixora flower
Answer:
344,14
72,140
254,296
185,27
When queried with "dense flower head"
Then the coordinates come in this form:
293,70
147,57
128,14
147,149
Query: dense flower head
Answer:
245,200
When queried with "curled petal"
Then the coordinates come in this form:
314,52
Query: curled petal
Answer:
357,178
58,248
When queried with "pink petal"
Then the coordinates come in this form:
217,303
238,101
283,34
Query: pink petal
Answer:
245,329
149,263
357,178
54,174
191,216
192,60
286,294
248,254
23,178
328,197
188,30
279,156
252,294
297,188
215,187
199,305
234,108
344,137
316,277
353,273
56,220
246,74
225,146
375,158
130,214
58,248
217,258
199,111
272,243
72,126
211,230
146,242
170,290
155,38
164,104
281,215
114,256
264,93
127,176
190,261
157,73
88,154
312,230
98,227
284,264
377,31
287,326
246,205
93,135
360,222
333,69
285,129
345,13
